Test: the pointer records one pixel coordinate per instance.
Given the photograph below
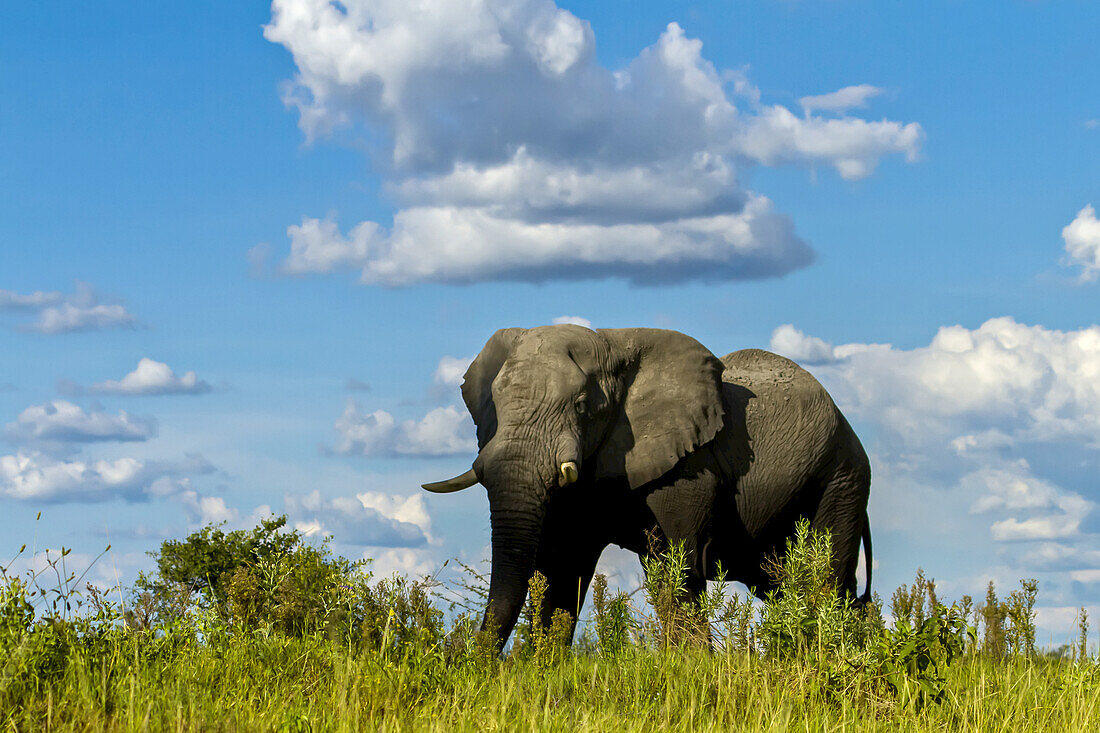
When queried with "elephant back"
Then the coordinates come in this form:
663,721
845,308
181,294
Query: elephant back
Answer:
782,417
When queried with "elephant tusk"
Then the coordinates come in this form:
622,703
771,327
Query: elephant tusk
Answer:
569,473
458,483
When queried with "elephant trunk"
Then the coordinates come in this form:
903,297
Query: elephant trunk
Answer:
517,506
515,542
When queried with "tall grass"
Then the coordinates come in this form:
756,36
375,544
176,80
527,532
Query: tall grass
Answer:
292,638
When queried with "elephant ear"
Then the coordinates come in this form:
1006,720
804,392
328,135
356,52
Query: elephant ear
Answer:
671,403
477,387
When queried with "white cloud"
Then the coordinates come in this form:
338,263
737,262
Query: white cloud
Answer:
1082,238
1028,383
621,568
842,99
450,371
1063,619
575,320
370,518
153,378
36,477
464,245
10,300
852,146
793,344
1011,487
60,421
410,562
1036,528
443,431
70,317
1092,124
206,509
57,312
516,156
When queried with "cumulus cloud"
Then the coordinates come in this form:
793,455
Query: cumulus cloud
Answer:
451,370
793,344
371,518
153,378
33,476
515,155
442,431
1024,383
63,422
81,310
1082,238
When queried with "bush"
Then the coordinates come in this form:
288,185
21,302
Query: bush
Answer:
676,619
806,614
612,617
196,570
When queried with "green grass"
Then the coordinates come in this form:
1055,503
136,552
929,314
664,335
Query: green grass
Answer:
290,638
256,683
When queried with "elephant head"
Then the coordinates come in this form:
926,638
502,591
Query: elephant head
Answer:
559,405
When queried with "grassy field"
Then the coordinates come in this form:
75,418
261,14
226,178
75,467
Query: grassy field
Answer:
283,636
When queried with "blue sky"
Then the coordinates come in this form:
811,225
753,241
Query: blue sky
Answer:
322,219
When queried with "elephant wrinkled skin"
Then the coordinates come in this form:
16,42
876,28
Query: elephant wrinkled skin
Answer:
588,438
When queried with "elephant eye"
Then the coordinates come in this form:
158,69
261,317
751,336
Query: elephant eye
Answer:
580,405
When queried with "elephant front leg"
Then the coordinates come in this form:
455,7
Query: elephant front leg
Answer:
568,574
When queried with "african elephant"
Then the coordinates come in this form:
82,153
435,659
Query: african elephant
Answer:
588,438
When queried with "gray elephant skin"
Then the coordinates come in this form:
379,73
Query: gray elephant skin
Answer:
641,438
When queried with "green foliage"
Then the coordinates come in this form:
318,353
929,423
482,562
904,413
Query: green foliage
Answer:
302,591
1020,612
541,643
993,614
612,618
916,603
198,568
677,619
1009,626
806,614
912,659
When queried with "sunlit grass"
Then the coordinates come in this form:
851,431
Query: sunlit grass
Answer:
303,641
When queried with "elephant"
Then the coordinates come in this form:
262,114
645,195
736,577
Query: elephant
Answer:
588,438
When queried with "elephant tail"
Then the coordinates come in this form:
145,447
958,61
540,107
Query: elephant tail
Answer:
867,557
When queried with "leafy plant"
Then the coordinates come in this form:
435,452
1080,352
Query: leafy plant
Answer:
545,644
912,659
612,617
676,618
200,566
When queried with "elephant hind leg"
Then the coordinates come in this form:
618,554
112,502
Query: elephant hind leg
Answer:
843,512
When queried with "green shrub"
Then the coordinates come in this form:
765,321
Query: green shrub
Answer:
612,618
676,618
806,614
536,641
912,659
193,572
